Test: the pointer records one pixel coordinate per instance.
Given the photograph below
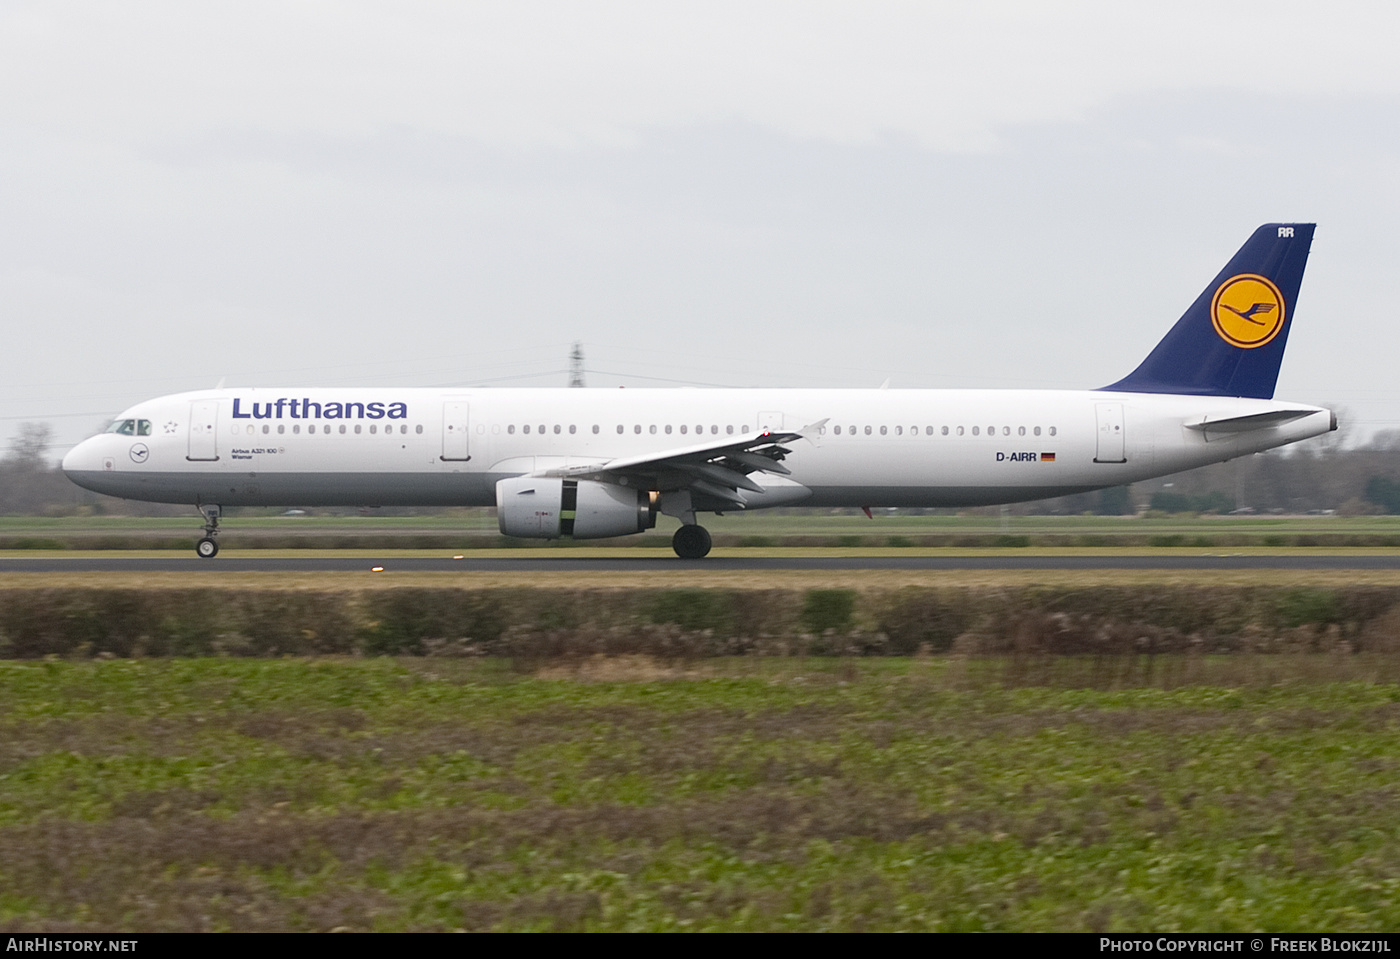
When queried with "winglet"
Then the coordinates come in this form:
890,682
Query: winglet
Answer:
811,431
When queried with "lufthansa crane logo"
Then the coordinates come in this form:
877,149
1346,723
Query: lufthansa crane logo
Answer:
1247,311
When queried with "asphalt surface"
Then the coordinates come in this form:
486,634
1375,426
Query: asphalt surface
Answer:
515,562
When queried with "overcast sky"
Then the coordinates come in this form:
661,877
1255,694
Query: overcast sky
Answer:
785,194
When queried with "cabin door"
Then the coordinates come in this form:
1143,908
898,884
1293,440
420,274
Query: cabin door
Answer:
455,424
770,421
204,434
1110,447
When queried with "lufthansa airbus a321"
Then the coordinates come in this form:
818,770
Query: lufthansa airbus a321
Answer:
598,463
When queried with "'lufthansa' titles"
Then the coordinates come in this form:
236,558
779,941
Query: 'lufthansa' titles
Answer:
305,409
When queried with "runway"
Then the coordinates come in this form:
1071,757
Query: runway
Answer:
515,562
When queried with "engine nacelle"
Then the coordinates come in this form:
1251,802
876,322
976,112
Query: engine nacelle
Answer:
535,507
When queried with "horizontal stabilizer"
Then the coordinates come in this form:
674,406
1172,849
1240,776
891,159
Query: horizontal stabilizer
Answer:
1244,424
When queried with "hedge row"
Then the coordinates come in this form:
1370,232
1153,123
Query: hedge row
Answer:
694,622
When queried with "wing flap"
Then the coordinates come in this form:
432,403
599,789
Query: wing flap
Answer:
717,470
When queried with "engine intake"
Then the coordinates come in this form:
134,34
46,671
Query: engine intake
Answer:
534,507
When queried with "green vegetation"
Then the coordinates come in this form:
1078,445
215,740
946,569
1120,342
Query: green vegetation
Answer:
1212,502
476,529
693,622
640,793
1384,492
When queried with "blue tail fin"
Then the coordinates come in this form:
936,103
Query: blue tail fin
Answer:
1230,342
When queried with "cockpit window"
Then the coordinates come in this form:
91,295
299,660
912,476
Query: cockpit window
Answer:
131,427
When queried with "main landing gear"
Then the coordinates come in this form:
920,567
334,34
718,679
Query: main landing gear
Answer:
691,542
208,547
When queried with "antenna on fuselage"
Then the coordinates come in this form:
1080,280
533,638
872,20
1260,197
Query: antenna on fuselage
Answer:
576,364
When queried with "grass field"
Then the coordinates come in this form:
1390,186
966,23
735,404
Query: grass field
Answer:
812,528
628,793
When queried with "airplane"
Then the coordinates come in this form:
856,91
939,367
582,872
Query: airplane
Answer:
597,463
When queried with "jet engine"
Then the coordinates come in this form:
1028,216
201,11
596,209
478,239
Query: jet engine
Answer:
535,507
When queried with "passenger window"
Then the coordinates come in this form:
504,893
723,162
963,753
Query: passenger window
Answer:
541,429
619,429
637,428
1020,431
296,427
416,429
595,429
975,431
509,429
525,429
572,429
373,428
342,429
1037,431
281,428
652,429
838,431
960,431
265,427
668,429
867,431
1052,431
1006,431
699,429
945,430
884,431
557,428
357,427
729,430
683,429
899,431
714,429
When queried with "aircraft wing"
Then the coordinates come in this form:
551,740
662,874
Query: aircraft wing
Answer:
718,470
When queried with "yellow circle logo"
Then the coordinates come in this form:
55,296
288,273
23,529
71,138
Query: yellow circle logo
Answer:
1247,311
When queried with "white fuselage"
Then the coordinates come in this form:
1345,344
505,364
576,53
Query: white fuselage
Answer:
915,448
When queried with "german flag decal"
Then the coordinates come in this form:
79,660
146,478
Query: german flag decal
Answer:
1047,457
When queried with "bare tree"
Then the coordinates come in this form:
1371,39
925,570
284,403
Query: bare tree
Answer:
28,451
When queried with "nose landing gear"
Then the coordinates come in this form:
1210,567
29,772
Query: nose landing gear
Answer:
208,547
691,542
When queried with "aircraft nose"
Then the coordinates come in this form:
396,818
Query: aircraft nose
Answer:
80,459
